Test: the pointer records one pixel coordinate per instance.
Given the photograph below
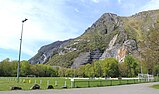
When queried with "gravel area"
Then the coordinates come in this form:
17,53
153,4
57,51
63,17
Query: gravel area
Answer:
123,89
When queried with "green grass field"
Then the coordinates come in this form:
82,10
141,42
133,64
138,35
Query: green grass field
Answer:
26,83
156,86
100,83
7,82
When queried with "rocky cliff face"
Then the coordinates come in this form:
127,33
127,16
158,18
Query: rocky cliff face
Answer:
86,57
109,36
46,52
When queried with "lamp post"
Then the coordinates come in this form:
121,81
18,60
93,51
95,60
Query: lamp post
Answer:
18,69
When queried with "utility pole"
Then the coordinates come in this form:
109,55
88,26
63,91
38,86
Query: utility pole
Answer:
18,69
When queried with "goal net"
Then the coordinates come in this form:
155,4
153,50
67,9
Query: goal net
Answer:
146,77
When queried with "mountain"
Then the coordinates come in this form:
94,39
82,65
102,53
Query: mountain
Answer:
47,51
110,36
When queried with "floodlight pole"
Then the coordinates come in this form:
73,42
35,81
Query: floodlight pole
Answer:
18,69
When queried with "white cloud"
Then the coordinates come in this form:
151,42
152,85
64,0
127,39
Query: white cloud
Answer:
45,24
82,1
50,20
119,1
95,1
151,5
76,10
12,13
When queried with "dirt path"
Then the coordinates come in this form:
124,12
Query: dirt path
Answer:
123,89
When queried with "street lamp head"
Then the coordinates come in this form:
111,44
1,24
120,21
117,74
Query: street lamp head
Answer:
24,20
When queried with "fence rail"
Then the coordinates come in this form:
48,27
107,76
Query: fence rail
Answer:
100,83
59,83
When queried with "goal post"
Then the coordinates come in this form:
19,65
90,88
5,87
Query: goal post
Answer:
30,76
146,77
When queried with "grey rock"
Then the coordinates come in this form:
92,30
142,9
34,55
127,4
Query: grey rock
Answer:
46,52
87,57
50,87
82,59
131,45
65,87
35,86
120,51
111,51
107,23
16,88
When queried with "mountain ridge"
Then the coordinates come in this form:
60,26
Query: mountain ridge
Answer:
110,36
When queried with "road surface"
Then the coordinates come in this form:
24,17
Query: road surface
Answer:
122,89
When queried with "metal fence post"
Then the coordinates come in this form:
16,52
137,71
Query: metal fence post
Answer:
111,82
105,82
88,84
72,83
100,82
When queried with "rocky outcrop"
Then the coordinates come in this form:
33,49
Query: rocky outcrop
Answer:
87,57
82,59
107,23
46,52
119,51
129,46
111,51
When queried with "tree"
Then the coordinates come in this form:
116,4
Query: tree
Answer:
14,65
25,68
41,70
62,72
88,69
34,70
156,70
81,71
6,68
110,67
50,71
123,69
97,68
132,66
9,68
69,72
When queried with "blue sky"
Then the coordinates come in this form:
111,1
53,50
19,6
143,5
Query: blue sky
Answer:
52,20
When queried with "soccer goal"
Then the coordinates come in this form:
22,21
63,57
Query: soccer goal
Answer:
30,76
146,77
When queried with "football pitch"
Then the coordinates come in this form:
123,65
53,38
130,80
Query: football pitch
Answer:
60,82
